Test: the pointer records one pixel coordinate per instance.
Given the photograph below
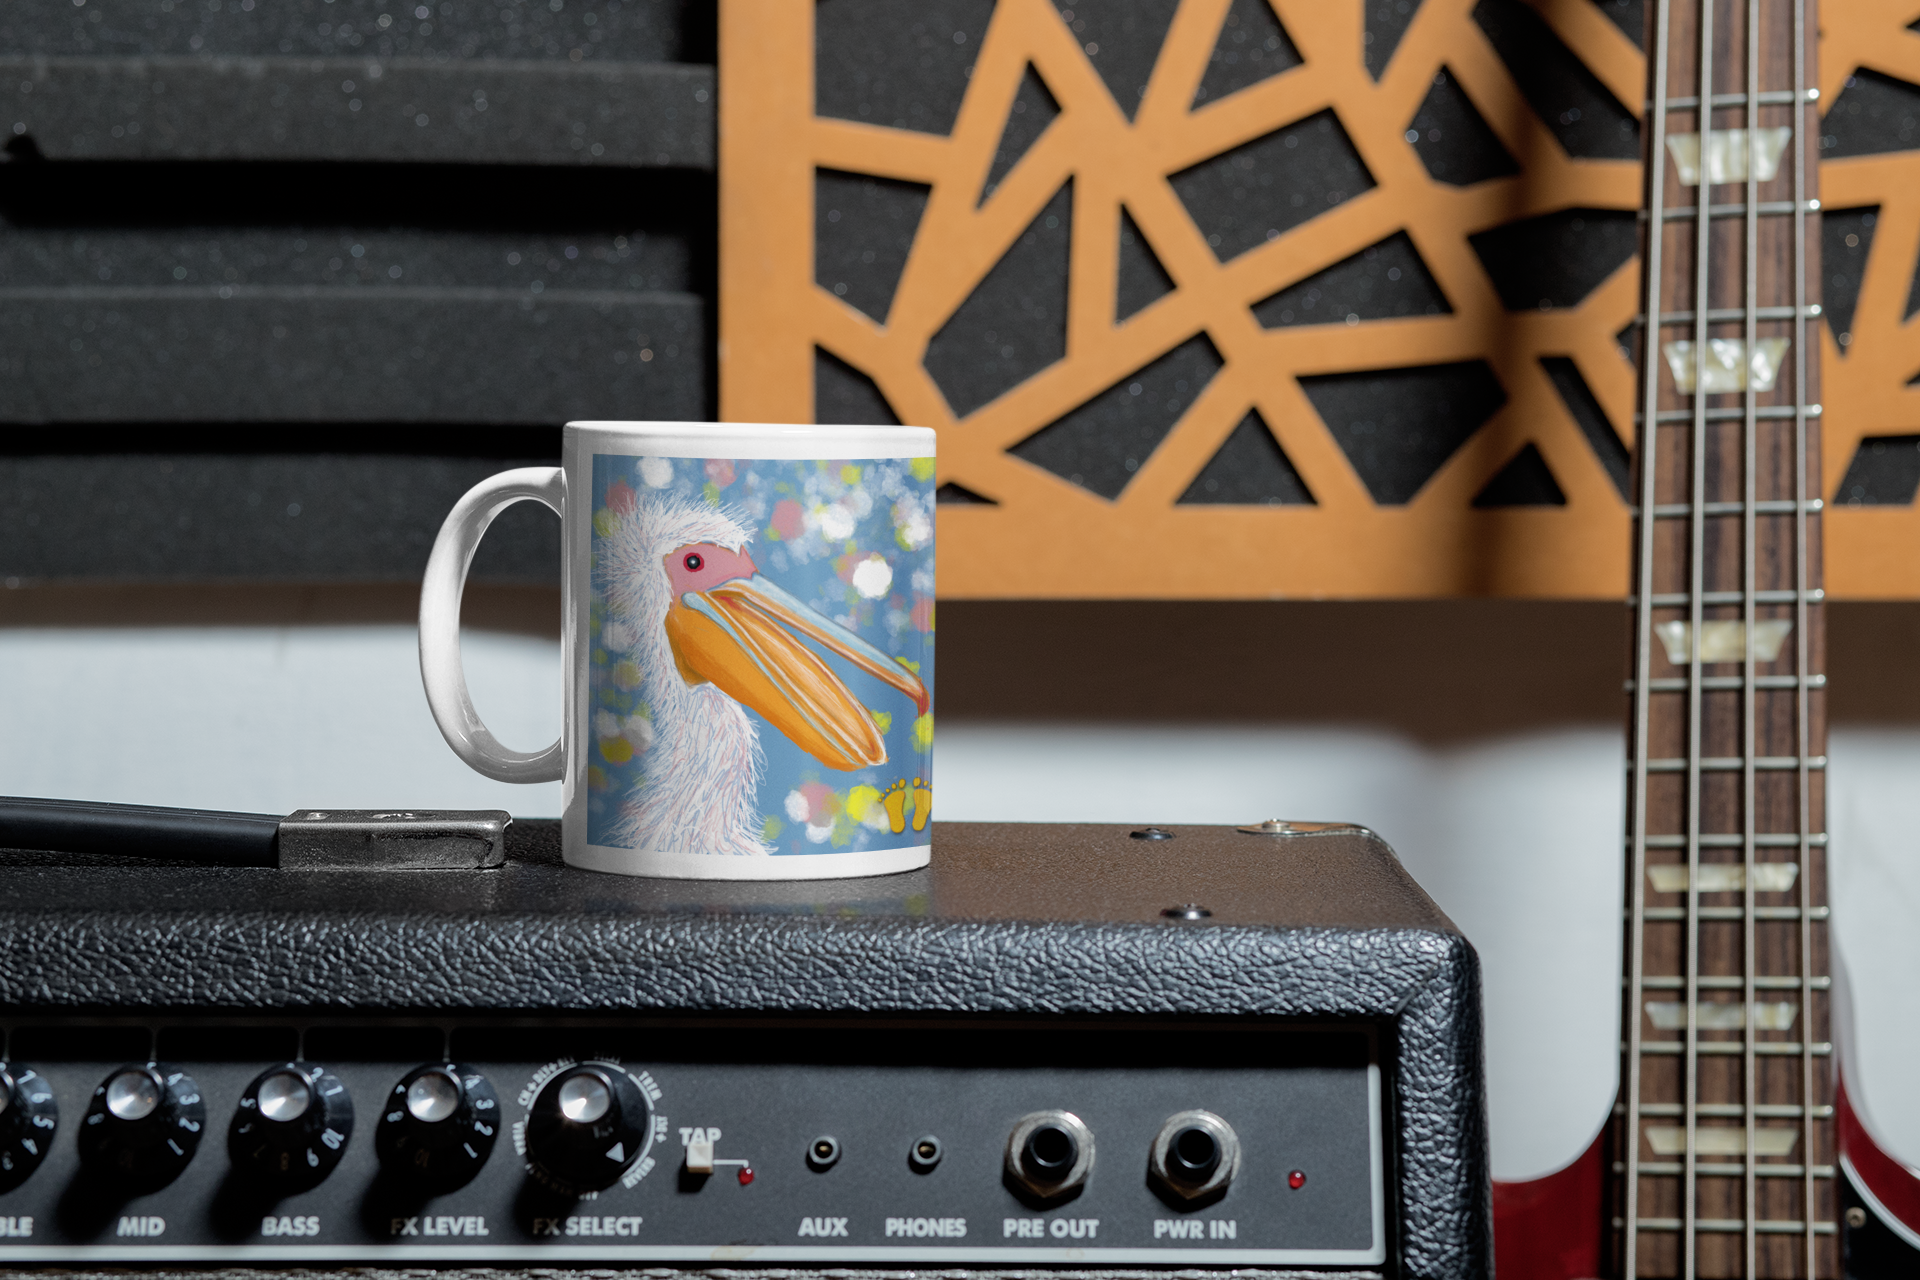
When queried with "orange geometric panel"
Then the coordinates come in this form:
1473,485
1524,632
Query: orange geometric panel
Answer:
1870,186
1107,284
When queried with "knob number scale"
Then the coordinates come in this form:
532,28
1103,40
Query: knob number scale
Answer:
866,1146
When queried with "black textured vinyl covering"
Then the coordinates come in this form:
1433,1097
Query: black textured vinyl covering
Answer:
1054,921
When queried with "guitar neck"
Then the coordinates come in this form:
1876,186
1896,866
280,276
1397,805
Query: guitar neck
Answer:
1726,1158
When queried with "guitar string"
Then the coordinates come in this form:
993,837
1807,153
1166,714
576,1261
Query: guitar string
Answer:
1749,598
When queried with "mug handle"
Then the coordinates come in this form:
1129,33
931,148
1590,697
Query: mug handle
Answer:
446,580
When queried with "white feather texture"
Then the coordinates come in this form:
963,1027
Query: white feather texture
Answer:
703,767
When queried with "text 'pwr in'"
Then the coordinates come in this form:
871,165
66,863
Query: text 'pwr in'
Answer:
1195,1229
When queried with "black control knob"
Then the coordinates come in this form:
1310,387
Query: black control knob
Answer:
142,1126
292,1126
28,1117
439,1125
587,1127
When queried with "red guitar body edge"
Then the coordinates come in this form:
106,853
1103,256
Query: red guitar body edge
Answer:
1889,1188
1554,1228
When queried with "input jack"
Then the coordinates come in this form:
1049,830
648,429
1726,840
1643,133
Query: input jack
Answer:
1050,1154
823,1153
1194,1156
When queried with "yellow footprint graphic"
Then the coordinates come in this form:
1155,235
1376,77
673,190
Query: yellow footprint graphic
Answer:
922,804
895,801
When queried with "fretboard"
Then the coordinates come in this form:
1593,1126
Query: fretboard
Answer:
1725,1158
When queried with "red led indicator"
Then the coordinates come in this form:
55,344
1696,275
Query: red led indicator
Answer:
1296,1179
746,1176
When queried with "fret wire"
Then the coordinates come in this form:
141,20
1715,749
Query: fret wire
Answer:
1643,607
1768,209
1671,1168
1715,840
1693,1050
1780,411
1766,982
1735,913
1772,98
1676,599
1771,1226
1731,764
1729,1110
1677,684
1726,315
1764,506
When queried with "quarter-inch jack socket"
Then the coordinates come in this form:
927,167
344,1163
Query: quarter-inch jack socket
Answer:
1194,1156
1050,1154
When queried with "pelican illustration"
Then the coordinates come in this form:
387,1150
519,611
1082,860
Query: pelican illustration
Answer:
712,637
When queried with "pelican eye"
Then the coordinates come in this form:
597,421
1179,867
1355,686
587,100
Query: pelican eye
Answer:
693,562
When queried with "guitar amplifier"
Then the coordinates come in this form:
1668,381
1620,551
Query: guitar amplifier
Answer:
1088,1047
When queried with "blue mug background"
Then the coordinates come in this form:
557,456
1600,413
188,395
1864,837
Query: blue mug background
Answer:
853,540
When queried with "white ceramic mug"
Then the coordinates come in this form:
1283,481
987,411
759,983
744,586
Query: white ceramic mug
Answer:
747,647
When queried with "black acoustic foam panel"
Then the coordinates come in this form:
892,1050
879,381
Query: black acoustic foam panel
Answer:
1034,108
1884,472
1871,115
1252,46
1100,445
1525,481
1014,323
1245,197
1846,238
1453,140
1576,107
1399,426
277,282
1251,469
1381,281
1586,411
863,229
868,66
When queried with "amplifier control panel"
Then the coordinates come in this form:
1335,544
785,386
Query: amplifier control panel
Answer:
807,1142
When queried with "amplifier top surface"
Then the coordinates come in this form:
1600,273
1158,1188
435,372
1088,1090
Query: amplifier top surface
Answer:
1032,873
1009,919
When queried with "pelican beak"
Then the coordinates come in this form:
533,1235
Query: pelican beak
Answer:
740,637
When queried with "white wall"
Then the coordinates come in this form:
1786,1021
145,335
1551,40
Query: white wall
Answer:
1516,837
